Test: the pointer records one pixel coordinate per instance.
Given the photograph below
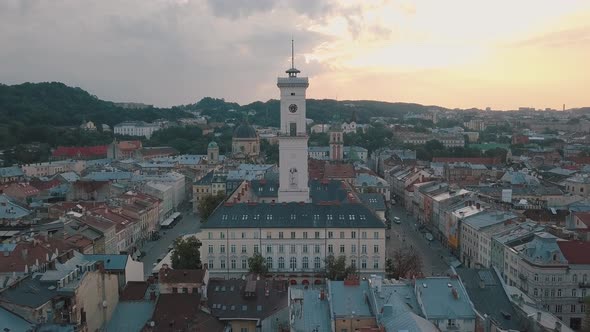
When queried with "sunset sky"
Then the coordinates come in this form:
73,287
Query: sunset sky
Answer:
453,53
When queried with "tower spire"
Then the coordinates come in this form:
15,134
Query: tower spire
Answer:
292,71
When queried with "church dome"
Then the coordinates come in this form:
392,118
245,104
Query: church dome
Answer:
245,131
212,145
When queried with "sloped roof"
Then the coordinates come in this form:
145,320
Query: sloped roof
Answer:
576,252
292,215
80,151
12,171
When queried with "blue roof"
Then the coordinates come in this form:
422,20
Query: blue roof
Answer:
13,322
7,247
438,301
364,179
373,200
111,262
131,316
488,218
106,176
349,300
541,249
312,313
10,210
12,171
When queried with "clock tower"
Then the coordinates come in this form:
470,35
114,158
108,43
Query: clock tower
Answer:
293,175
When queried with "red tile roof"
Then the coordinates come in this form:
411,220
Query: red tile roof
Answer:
579,160
45,185
80,151
134,291
176,312
30,252
90,186
576,252
472,160
584,217
130,145
339,171
170,276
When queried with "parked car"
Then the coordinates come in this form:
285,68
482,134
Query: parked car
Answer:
429,236
397,220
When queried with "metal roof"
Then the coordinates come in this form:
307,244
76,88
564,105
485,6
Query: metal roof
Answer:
293,215
438,300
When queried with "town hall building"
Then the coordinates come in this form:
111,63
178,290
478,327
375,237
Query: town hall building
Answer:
294,228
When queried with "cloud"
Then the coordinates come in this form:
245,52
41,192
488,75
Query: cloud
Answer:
579,36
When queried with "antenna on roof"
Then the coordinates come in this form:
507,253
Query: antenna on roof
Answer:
292,53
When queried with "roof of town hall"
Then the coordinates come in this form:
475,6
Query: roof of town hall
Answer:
293,215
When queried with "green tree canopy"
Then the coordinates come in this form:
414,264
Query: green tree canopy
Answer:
257,264
404,263
208,204
336,268
186,253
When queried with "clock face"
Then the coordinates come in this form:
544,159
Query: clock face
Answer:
292,108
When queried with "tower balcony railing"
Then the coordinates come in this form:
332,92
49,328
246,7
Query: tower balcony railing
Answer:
301,135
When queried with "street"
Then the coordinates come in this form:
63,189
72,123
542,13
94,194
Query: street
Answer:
406,234
189,224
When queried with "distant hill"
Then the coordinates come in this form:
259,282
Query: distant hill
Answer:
60,105
56,104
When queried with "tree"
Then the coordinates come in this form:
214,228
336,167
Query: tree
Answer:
257,264
186,253
586,320
404,263
270,151
208,204
336,268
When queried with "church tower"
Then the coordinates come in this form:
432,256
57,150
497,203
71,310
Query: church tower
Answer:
293,175
336,143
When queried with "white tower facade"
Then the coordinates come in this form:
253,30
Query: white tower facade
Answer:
293,173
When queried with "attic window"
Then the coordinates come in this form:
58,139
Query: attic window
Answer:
293,217
269,217
329,217
259,307
224,217
362,217
351,217
341,217
244,307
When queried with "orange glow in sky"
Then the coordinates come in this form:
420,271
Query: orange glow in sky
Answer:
457,53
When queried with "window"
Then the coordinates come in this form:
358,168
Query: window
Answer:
280,235
269,235
342,235
375,249
233,248
316,249
243,249
317,263
174,290
363,263
353,248
269,262
451,322
222,235
363,249
305,263
293,263
353,235
222,263
268,249
376,235
210,235
317,235
341,248
558,308
292,249
281,248
546,293
574,293
255,235
305,235
330,235
553,293
330,248
305,248
210,248
292,129
222,248
536,277
573,308
292,235
210,265
559,292
575,278
536,292
233,263
255,248
353,262
281,262
376,264
232,235
243,329
244,263
364,235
